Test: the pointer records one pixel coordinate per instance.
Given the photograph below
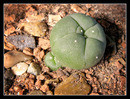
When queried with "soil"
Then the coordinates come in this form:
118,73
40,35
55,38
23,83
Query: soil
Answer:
108,77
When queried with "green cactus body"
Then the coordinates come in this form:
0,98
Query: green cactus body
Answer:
77,41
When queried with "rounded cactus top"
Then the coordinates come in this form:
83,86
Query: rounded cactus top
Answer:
77,41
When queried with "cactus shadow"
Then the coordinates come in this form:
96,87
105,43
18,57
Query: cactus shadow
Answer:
114,33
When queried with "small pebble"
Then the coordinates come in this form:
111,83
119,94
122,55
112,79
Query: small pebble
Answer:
77,9
20,68
28,51
13,57
53,19
38,53
44,88
44,43
17,88
34,28
34,69
38,84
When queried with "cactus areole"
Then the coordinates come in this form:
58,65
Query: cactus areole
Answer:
77,41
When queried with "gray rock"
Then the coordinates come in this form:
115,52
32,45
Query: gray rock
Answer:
22,41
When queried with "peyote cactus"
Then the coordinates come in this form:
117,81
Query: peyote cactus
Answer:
77,41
